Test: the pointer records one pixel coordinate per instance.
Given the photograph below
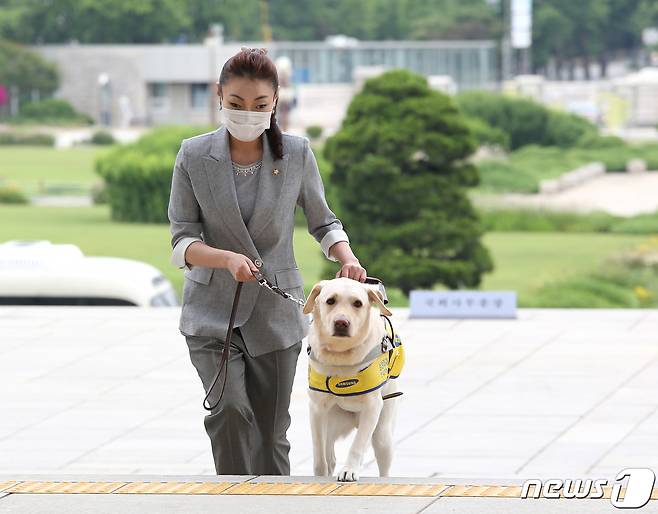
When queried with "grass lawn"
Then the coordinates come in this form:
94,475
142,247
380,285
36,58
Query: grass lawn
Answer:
523,260
29,165
91,229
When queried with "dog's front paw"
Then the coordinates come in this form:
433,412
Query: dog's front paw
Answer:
348,475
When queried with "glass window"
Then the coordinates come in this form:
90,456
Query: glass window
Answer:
199,96
158,89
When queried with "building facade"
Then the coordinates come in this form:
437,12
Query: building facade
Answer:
156,84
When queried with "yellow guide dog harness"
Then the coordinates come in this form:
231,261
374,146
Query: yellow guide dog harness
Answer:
388,363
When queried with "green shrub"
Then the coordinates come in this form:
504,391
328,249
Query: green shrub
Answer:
18,138
525,121
616,156
591,291
485,134
51,110
314,131
12,194
400,158
640,224
566,129
545,220
627,279
102,137
527,166
648,152
167,138
23,66
137,176
592,141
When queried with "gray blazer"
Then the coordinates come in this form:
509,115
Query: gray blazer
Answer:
203,206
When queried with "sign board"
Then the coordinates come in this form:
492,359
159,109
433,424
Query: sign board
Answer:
462,304
521,23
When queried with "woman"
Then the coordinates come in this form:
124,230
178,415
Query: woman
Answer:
232,208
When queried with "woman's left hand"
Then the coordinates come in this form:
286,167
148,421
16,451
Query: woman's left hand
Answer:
352,269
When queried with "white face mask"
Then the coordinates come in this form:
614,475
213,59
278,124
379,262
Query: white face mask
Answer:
245,125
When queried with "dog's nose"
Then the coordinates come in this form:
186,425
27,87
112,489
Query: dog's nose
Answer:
341,326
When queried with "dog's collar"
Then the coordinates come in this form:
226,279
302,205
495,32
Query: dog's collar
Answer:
388,362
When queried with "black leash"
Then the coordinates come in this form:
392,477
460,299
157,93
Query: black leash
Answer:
223,364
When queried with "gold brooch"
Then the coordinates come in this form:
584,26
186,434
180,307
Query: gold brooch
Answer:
275,171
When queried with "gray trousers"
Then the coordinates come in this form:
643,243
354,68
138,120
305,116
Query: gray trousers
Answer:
247,429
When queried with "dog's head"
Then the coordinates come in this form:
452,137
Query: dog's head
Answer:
343,306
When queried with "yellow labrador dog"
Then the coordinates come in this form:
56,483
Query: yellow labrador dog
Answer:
345,336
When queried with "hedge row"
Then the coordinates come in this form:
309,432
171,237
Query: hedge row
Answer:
524,121
524,168
138,176
17,138
544,220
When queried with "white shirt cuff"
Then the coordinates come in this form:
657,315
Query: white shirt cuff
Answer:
331,238
178,253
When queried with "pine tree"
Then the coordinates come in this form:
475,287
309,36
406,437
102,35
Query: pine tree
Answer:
399,184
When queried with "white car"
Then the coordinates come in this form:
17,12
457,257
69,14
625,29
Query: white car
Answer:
42,273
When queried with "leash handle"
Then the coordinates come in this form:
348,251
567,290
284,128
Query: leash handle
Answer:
223,364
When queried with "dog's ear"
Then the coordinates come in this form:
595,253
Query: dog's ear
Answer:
376,299
310,301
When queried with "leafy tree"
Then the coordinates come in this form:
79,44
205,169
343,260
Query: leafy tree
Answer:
399,161
26,70
551,35
455,19
588,30
153,21
92,21
647,14
241,19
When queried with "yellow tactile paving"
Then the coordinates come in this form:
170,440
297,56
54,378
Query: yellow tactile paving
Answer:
311,488
276,488
30,486
7,484
355,489
497,491
174,487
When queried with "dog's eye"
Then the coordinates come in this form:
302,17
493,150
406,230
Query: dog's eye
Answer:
331,301
358,303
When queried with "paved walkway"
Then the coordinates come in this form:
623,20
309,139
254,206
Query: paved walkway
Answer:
621,194
556,393
62,201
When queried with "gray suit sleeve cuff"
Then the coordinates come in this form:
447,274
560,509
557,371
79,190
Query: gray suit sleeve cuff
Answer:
178,253
331,238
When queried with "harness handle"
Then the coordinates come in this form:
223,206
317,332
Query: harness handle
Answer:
398,393
392,329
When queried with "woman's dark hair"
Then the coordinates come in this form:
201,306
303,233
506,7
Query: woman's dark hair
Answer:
253,63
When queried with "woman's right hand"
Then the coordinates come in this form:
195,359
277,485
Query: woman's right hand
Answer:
241,267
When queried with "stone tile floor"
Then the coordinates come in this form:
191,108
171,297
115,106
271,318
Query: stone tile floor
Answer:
555,393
